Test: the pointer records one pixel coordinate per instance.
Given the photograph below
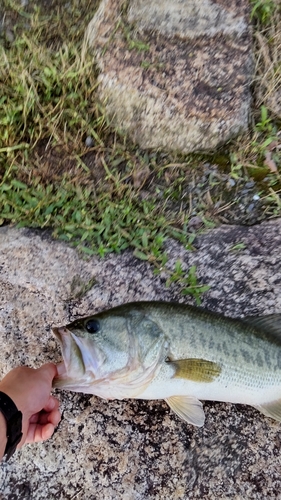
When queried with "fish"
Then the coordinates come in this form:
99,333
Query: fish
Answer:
176,352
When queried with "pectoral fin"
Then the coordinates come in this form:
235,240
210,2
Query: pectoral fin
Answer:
198,370
188,408
272,410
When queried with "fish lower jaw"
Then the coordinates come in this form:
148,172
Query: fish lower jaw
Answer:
70,383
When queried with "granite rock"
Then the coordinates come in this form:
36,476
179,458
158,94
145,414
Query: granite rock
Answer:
136,449
174,75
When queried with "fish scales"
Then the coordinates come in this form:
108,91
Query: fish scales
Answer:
209,337
176,352
249,349
212,336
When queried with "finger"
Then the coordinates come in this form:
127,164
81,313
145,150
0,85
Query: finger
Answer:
52,404
49,370
47,431
54,417
34,419
61,369
43,418
37,433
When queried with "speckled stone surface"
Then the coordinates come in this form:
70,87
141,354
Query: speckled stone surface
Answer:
136,449
174,75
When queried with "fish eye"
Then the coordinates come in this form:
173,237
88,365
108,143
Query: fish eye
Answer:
92,326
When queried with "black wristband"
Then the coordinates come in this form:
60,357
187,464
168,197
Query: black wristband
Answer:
14,423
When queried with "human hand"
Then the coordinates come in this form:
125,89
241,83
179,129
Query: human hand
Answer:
30,390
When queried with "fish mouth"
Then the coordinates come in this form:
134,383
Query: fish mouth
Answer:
81,361
72,366
56,331
61,367
59,332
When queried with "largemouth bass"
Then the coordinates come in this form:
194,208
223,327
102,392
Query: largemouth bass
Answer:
176,352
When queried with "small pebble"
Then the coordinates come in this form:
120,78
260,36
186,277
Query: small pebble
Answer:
195,223
256,197
89,141
250,208
250,184
231,182
9,35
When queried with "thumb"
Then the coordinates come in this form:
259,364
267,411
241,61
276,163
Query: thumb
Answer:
48,370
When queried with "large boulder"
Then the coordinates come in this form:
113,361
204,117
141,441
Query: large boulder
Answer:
174,75
136,449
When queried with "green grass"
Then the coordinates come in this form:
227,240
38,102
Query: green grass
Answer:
262,10
112,196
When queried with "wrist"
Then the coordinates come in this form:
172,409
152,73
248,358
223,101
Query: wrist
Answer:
13,426
3,435
16,397
13,393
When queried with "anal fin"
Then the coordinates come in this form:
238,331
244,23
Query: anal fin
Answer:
188,408
272,409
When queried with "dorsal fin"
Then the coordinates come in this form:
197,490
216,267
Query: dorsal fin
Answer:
269,325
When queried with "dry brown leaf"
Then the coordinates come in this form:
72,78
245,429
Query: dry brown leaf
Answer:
270,163
273,145
140,177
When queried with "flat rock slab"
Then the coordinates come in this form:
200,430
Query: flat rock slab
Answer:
136,449
174,75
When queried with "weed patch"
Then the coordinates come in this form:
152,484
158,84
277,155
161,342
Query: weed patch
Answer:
63,166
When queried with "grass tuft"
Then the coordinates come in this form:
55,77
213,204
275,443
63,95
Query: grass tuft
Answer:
63,166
